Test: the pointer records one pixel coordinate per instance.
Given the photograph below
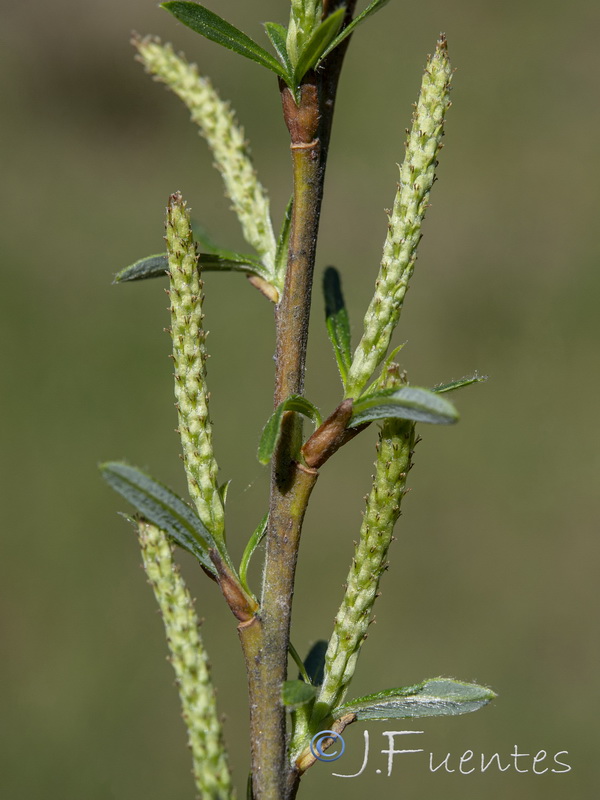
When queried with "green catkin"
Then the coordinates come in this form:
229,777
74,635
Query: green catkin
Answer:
219,127
189,660
189,359
394,451
417,175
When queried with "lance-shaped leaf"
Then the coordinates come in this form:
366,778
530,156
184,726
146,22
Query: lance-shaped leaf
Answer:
223,491
162,507
277,36
319,41
314,663
380,384
407,402
458,384
370,9
213,27
253,543
336,319
272,430
297,693
436,697
157,266
303,676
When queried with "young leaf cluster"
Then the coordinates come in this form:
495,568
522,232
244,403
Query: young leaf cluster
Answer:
301,47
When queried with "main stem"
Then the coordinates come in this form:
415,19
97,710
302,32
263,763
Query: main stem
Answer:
291,483
265,639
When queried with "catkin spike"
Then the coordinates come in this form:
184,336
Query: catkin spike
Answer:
395,444
417,175
189,360
189,660
219,127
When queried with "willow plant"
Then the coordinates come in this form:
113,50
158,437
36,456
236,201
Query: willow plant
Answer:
287,716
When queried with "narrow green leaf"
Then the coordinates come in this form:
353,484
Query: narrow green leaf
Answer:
370,9
297,693
149,267
277,35
303,676
337,321
213,27
408,402
435,697
458,384
128,518
281,255
223,261
159,505
253,543
226,260
318,43
379,383
272,430
314,663
223,490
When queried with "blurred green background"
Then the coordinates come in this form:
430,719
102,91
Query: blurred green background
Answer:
494,574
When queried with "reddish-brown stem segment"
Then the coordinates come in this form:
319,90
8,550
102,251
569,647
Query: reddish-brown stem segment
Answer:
330,436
